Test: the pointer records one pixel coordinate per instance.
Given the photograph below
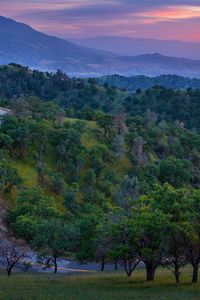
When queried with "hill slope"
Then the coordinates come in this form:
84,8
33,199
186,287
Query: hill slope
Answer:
69,182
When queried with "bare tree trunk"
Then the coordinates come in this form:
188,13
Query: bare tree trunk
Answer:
103,264
195,273
9,271
116,266
55,264
130,267
11,256
150,271
176,272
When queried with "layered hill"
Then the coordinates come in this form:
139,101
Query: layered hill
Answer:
157,64
82,97
137,46
22,44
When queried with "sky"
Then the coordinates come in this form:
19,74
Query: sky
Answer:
168,20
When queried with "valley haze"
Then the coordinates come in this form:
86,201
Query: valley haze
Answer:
22,44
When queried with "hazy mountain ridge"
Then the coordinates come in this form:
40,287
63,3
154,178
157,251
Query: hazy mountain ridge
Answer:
135,46
157,64
24,45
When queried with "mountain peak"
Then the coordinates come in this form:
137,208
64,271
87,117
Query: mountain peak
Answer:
6,20
12,25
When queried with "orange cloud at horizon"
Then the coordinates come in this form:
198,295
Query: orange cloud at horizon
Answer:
170,13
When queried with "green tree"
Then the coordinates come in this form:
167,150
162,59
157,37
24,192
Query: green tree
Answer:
150,229
193,234
175,204
175,171
8,176
53,238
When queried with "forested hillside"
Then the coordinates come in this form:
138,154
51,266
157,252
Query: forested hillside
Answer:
83,97
143,82
95,174
73,94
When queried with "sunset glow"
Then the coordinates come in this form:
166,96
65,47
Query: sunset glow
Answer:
172,13
85,18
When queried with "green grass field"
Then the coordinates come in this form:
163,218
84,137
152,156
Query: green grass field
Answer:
97,287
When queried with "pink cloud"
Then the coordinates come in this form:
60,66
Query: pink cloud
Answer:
83,18
170,13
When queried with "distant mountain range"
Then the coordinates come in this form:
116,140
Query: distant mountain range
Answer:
137,46
23,45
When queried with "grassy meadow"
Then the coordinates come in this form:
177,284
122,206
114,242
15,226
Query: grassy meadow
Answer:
105,286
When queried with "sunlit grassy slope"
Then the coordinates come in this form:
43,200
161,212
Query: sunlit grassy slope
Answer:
97,287
27,172
27,168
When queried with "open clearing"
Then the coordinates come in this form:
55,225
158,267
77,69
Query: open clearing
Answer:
100,286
